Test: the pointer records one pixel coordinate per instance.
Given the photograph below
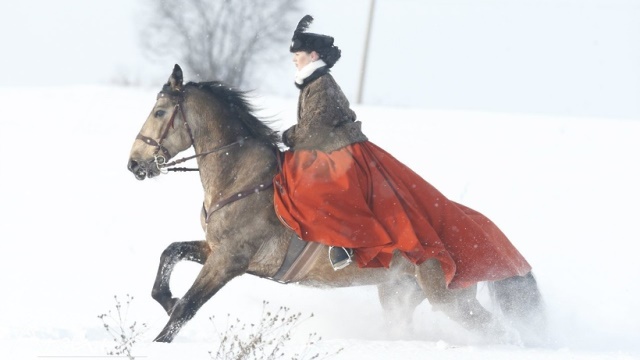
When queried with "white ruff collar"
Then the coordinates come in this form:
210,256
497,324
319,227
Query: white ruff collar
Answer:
308,70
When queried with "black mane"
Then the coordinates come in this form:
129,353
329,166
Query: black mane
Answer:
237,103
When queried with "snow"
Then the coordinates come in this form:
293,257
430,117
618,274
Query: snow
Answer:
77,229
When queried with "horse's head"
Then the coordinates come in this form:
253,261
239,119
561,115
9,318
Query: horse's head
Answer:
164,134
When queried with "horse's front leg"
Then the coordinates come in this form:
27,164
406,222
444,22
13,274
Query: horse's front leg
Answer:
219,268
197,251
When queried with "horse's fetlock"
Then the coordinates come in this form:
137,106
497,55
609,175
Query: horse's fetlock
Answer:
160,295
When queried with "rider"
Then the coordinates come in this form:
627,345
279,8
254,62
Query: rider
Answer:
341,190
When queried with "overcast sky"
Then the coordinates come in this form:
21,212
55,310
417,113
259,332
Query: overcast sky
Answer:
563,57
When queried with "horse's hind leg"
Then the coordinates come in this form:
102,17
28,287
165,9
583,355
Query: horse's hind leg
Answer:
521,303
460,305
399,298
197,251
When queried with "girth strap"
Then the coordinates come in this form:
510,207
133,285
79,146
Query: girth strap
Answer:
295,248
301,255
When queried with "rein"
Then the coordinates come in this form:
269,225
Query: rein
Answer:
165,167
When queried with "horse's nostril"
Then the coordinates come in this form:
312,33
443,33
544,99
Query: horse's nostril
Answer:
133,165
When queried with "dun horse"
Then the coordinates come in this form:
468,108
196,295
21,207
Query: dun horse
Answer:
237,157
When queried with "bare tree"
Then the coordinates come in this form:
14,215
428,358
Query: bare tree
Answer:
219,39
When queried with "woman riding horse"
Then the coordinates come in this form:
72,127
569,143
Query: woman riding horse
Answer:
334,187
341,190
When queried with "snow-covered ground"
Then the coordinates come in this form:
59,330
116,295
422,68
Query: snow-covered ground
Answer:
77,229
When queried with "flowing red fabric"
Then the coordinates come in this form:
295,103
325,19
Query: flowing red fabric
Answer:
363,198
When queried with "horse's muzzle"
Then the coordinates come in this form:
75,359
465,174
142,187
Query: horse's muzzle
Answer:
139,169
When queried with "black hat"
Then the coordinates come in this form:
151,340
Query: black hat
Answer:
322,44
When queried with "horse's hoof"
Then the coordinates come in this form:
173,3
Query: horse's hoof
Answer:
168,333
163,338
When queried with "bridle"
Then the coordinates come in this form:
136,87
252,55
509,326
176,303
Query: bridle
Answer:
164,167
161,160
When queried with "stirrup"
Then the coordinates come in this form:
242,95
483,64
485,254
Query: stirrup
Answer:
340,257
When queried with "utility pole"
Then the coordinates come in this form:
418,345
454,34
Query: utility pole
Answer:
363,67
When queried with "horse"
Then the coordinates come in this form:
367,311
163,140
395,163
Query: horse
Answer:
237,157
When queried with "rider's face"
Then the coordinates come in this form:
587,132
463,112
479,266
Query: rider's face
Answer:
302,58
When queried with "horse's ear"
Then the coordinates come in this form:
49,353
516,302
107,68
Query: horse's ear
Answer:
175,80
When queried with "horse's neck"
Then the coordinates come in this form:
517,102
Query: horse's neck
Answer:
243,165
236,161
220,153
211,136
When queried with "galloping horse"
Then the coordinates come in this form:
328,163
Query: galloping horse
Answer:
237,157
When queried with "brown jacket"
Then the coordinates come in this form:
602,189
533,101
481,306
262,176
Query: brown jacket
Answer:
325,121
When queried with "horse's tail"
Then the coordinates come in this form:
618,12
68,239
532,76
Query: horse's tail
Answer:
521,303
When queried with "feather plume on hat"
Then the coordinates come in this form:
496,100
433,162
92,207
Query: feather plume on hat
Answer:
304,23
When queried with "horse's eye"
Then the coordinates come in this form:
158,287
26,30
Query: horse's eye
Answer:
159,113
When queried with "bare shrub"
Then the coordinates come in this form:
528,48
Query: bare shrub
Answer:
125,335
265,340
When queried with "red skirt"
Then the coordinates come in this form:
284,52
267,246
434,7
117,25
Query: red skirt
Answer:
363,198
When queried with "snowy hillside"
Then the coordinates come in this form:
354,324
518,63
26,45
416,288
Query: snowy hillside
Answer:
77,229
